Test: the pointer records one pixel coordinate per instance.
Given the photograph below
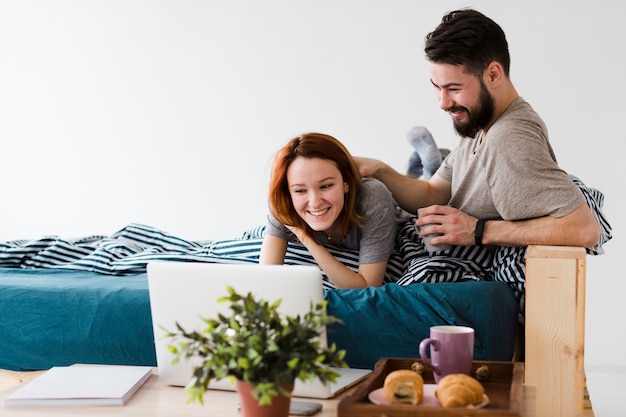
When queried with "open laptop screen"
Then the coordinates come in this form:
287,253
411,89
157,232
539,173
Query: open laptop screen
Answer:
186,292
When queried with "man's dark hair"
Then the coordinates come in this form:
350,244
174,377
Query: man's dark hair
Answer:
469,38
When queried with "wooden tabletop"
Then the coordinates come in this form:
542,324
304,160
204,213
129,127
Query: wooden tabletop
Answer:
155,399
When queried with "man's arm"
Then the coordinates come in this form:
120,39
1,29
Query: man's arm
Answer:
578,228
409,192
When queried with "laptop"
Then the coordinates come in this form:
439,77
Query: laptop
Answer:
185,292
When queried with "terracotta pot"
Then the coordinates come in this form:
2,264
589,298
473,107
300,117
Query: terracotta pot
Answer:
250,406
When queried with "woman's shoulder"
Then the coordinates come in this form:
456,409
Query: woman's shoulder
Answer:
376,202
374,193
372,186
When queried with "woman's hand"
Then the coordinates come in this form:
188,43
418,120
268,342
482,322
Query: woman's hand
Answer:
299,233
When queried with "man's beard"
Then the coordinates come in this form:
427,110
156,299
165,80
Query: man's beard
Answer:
478,117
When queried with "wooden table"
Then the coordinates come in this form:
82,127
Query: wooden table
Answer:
156,399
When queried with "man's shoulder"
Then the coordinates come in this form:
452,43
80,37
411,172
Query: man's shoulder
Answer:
519,118
519,109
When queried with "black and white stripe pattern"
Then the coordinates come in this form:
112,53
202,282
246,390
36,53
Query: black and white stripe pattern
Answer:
595,201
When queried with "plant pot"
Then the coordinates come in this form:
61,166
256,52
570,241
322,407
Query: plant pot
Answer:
250,406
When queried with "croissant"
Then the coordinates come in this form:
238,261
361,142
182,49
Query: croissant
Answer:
404,386
459,390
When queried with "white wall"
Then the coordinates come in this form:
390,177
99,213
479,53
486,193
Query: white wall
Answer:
167,113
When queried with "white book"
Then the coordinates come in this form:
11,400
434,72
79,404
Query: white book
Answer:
83,385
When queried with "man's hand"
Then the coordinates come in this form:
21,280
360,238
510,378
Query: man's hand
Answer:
456,227
367,166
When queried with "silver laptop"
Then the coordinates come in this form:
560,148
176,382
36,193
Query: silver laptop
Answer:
184,292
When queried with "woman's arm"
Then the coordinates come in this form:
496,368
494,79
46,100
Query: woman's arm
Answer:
338,273
273,250
341,275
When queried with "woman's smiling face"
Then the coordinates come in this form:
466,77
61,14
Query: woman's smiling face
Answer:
317,190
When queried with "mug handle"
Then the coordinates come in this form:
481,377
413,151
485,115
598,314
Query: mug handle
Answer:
424,346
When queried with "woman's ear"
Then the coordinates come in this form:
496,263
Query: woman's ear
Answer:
346,187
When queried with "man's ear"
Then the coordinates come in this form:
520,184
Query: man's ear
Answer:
494,73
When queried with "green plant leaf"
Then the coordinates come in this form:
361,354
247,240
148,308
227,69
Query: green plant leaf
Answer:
259,345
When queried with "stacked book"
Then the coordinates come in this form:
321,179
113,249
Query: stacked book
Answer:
84,385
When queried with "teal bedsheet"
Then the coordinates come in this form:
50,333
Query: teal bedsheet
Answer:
391,321
54,317
57,317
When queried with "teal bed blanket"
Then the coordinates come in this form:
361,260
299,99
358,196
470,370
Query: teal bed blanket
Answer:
58,317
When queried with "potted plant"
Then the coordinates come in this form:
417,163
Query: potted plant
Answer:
257,345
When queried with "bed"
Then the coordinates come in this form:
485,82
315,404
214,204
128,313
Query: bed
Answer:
86,300
65,301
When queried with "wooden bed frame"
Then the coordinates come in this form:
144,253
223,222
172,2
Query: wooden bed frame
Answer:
555,328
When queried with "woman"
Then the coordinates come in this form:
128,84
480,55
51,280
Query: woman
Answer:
317,197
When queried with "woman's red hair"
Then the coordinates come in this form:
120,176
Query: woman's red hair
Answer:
313,145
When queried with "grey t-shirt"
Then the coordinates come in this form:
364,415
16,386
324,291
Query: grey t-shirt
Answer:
510,173
376,238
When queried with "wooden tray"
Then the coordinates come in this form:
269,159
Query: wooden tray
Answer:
503,387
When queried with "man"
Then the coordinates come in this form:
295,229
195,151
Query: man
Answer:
502,184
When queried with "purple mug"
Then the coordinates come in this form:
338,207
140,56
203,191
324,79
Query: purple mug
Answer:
451,350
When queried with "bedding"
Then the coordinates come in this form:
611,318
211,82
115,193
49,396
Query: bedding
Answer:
130,249
85,300
390,321
58,317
